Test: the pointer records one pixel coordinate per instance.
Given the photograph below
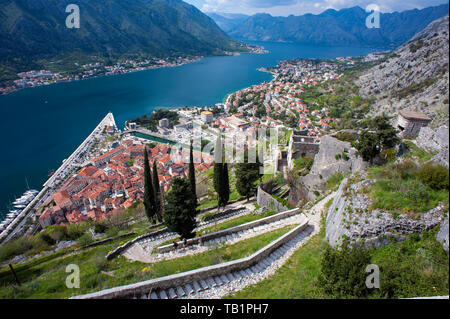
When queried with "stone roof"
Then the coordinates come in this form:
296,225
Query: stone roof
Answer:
414,116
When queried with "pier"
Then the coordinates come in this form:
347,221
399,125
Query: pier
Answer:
49,185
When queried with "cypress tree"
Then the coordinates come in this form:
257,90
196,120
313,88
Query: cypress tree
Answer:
217,164
157,191
180,210
224,183
192,173
246,176
149,194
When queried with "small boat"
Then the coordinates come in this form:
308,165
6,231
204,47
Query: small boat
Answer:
12,216
31,192
15,211
20,206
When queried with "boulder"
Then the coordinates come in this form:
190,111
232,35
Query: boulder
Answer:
442,236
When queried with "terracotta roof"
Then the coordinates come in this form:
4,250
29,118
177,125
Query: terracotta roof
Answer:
61,198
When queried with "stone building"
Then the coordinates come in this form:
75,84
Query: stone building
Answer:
409,123
301,144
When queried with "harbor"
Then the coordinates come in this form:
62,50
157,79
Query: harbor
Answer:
25,206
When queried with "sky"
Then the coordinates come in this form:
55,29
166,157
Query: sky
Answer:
299,7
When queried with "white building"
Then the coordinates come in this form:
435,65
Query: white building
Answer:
164,123
207,117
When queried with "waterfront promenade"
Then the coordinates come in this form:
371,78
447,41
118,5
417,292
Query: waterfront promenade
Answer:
59,175
69,163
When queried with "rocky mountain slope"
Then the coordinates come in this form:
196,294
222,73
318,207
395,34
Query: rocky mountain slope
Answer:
415,77
339,28
227,21
33,29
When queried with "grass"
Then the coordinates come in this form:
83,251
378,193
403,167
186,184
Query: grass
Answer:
296,279
225,225
417,267
47,280
334,181
43,241
235,222
398,189
419,153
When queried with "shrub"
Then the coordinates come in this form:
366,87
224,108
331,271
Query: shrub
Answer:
406,169
303,162
346,136
84,240
47,238
100,227
334,180
388,155
112,232
75,231
57,232
14,248
343,271
435,176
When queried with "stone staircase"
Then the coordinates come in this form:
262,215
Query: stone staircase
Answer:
189,290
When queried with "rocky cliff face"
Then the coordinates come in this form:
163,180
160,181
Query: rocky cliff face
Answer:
334,156
415,77
442,236
436,140
350,217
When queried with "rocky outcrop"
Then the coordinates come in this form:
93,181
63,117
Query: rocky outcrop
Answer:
415,77
334,156
442,236
350,217
436,140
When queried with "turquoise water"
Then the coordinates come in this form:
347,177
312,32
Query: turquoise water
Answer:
42,126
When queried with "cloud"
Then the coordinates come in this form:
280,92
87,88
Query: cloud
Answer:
299,7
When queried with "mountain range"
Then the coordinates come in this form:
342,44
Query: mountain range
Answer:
228,21
31,30
346,27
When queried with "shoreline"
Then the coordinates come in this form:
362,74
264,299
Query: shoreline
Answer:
256,50
102,75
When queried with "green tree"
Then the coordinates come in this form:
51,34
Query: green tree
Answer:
157,192
246,176
181,209
192,174
149,194
224,186
367,146
217,163
387,134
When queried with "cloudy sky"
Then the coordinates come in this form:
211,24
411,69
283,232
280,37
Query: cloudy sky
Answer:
298,7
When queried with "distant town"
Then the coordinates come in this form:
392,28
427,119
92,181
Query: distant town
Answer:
34,78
